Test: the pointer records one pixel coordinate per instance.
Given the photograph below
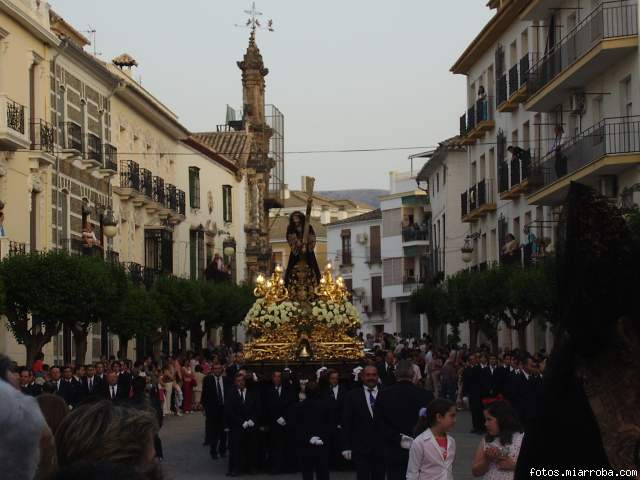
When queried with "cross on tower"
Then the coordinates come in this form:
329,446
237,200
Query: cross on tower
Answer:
252,22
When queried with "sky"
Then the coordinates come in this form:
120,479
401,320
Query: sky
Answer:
346,74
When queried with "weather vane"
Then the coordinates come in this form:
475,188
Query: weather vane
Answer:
253,23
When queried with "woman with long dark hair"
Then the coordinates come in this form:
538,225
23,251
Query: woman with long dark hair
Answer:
498,452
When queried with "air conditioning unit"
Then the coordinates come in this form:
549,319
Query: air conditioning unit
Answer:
576,103
362,238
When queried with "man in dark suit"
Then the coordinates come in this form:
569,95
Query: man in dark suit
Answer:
124,378
92,385
28,385
213,401
387,368
69,387
112,389
471,389
277,400
334,395
242,413
360,432
397,411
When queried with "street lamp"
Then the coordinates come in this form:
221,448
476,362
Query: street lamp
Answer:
109,224
467,248
229,251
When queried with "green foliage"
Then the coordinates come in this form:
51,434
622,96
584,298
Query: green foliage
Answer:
139,314
2,296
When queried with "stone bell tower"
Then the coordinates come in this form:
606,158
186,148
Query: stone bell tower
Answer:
258,164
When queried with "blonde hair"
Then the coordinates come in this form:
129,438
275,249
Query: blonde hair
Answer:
104,432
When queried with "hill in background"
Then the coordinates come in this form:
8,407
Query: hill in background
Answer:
368,196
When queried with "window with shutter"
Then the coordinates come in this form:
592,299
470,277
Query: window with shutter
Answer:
193,254
346,247
194,187
227,205
374,244
377,303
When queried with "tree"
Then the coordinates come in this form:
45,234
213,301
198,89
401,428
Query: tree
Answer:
139,316
182,305
235,302
437,303
489,290
98,288
39,289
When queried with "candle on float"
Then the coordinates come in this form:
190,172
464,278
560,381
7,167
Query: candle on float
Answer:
278,268
322,280
328,267
281,282
268,283
260,279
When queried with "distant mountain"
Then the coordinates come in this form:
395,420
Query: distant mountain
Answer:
368,196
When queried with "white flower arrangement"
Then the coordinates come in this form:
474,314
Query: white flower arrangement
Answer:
335,314
270,315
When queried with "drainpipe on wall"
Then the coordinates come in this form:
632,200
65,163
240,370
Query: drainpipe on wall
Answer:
63,45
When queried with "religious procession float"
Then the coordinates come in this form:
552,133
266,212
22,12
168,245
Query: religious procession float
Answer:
303,316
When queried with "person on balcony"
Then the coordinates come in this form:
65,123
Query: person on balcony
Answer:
560,161
89,239
482,105
510,249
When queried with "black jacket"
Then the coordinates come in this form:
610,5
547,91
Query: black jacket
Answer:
386,372
33,389
276,406
69,391
310,418
121,393
397,410
97,386
336,405
236,412
210,401
360,431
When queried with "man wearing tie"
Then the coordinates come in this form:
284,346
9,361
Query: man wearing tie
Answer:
112,390
278,399
91,384
360,433
213,401
387,368
69,387
242,411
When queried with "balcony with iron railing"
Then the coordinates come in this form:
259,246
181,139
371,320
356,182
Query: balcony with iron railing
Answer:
607,148
10,248
478,201
182,202
110,165
602,38
501,91
146,183
415,233
373,305
515,175
373,256
71,138
410,282
43,137
13,135
129,180
503,177
158,190
479,120
170,197
93,152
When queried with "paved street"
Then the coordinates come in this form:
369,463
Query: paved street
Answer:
187,459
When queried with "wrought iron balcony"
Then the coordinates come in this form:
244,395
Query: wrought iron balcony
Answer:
158,190
146,183
524,68
42,136
514,83
514,166
72,136
12,128
129,175
464,204
501,89
478,200
110,158
614,138
135,271
182,202
503,177
94,149
415,233
609,20
10,248
170,197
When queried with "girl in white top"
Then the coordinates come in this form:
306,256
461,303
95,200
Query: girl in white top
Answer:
497,453
433,451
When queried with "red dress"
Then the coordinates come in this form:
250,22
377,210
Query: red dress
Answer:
188,382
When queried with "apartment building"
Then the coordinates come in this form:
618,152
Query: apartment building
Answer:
405,248
354,246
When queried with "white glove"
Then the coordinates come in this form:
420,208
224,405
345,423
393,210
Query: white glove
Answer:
281,421
226,430
339,426
250,423
405,442
315,440
245,425
346,454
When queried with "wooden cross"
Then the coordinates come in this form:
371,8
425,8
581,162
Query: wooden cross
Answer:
308,188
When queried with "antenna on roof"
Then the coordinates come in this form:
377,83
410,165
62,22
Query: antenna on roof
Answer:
92,34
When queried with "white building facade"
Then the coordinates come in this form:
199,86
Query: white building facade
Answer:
354,247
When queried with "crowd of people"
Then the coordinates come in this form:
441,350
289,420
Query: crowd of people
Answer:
391,416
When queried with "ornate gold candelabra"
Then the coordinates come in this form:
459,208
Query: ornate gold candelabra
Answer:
273,290
335,291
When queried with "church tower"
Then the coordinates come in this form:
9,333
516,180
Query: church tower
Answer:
253,84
